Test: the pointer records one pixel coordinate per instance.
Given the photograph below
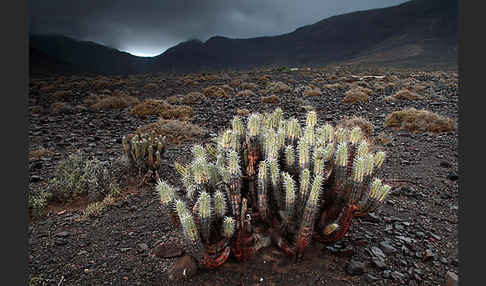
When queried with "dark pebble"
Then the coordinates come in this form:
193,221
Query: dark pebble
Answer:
356,268
453,176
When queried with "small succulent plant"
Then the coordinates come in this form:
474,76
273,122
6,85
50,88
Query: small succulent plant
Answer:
145,150
274,181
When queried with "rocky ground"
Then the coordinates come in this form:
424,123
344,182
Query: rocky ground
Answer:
411,240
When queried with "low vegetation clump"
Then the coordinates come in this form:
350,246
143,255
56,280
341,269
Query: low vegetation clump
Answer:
228,90
175,131
150,107
313,92
249,85
59,107
419,121
274,99
190,98
101,83
366,127
355,95
214,91
182,112
80,175
383,139
163,109
39,153
245,92
242,111
274,181
112,102
365,90
278,87
97,208
152,86
235,82
263,78
74,177
333,86
403,94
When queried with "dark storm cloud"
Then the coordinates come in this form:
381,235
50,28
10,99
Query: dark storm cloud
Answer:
150,27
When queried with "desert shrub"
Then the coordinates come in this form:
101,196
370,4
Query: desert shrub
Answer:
366,127
278,87
235,82
242,111
355,95
175,131
76,176
249,85
91,99
101,83
151,85
182,112
60,107
96,208
313,92
383,138
38,201
190,98
150,107
214,91
270,99
227,89
263,78
245,92
275,181
365,90
189,81
39,153
174,99
334,86
403,94
419,121
319,81
112,102
162,108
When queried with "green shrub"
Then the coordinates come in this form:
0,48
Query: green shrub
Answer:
79,175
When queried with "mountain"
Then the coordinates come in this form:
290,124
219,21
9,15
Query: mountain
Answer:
88,56
417,32
41,64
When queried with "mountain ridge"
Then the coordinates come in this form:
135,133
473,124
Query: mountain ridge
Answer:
418,31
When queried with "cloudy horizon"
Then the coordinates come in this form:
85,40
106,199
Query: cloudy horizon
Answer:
149,28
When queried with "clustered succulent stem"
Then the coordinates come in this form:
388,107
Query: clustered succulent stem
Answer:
272,180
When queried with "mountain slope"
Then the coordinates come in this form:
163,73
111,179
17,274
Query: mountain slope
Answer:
89,56
418,31
428,25
41,64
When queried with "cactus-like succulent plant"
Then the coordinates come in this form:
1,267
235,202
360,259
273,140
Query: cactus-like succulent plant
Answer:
271,182
144,151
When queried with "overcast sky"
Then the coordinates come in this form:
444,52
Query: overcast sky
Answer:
148,28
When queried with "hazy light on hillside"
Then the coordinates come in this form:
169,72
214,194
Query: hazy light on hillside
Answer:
145,53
